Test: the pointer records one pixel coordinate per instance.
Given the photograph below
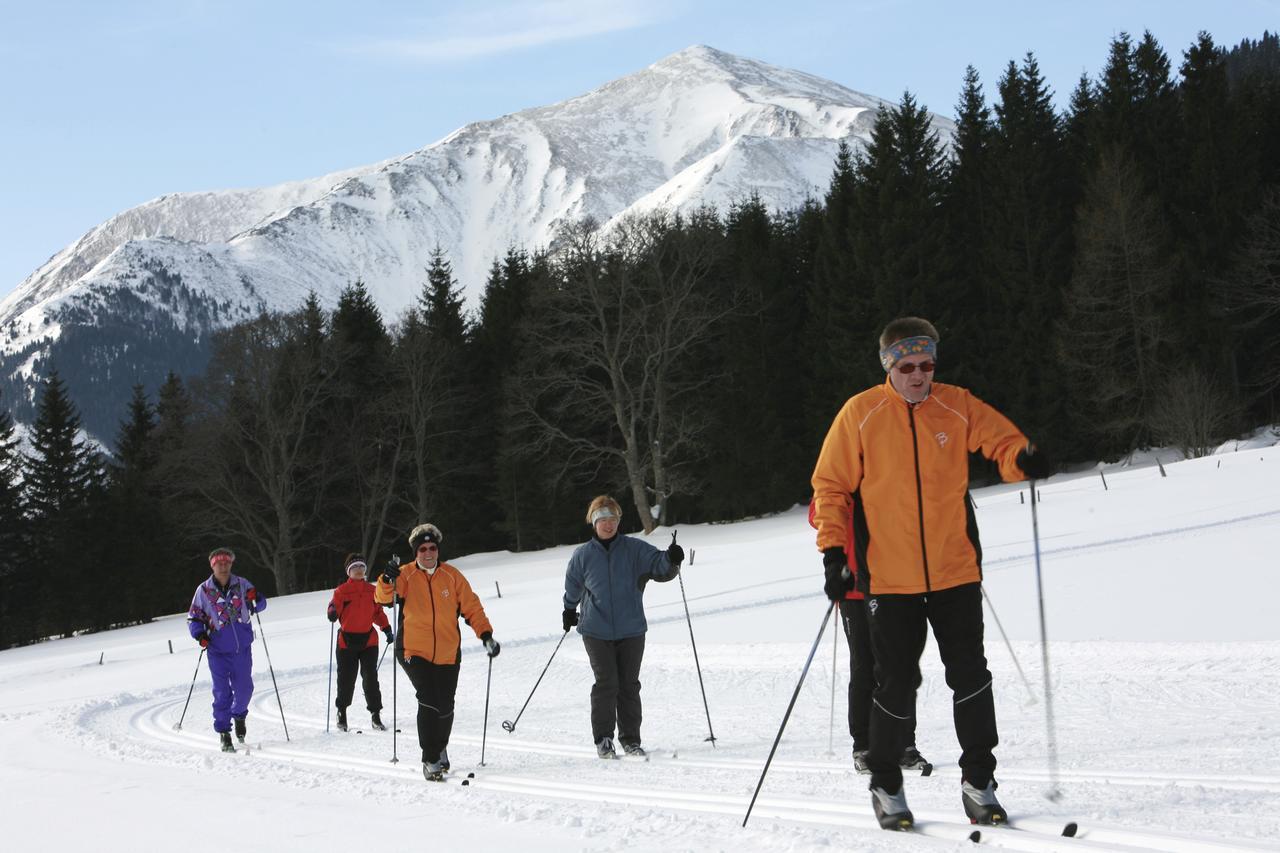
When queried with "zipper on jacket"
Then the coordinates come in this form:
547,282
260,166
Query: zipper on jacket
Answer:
431,594
915,452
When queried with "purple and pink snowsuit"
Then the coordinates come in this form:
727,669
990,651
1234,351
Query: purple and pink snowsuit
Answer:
224,614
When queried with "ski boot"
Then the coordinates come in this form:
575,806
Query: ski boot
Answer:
376,724
227,746
240,728
981,805
860,762
891,809
433,771
633,748
913,760
444,760
342,719
604,748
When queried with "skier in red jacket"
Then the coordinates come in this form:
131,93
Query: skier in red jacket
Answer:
354,609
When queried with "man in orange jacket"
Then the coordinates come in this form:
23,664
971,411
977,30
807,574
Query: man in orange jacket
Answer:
433,595
897,456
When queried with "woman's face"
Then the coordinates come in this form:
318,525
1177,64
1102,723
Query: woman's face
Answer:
607,528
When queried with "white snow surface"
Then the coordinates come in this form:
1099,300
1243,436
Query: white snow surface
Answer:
1159,596
700,126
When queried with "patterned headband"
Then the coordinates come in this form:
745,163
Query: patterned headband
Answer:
920,345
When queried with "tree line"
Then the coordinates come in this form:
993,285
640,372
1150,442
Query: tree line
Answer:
1107,275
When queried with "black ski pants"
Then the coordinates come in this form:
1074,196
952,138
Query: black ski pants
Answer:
365,661
862,677
898,630
435,686
615,697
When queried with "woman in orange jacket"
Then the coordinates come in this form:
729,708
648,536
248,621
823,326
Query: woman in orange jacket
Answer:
897,457
433,596
353,607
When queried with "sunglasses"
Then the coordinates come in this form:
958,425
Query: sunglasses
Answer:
925,366
426,549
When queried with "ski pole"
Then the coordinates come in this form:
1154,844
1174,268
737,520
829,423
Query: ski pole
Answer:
510,725
787,715
272,669
384,654
178,727
1030,693
711,735
484,732
835,642
395,725
329,691
1053,794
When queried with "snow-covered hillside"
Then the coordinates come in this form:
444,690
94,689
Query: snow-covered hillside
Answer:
1165,670
700,126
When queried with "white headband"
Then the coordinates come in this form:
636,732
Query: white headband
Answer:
602,512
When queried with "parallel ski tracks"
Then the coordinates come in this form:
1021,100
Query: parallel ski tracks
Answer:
153,723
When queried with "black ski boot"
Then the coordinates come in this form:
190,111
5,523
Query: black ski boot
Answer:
377,722
433,771
240,728
342,719
981,805
227,746
860,762
444,760
891,809
604,748
632,748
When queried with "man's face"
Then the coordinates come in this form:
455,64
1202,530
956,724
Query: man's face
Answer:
910,378
221,566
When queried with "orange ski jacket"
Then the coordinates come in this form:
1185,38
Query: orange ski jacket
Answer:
429,613
903,469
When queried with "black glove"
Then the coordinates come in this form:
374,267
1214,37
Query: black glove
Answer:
490,644
569,618
333,614
392,571
1035,463
386,632
839,579
675,554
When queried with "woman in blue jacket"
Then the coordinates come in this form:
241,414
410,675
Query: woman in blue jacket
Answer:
607,576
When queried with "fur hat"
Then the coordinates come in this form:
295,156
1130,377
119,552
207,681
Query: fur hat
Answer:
356,561
220,552
424,533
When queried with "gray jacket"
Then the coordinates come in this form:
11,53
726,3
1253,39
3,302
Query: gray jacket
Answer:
609,583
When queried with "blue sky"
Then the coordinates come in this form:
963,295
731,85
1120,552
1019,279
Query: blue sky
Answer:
109,104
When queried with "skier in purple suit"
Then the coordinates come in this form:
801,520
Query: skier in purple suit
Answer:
219,621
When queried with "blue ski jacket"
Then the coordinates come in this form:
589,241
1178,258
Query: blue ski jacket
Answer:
609,584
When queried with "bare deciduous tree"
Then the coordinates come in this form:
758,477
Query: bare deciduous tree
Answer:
606,380
257,461
1193,413
1114,331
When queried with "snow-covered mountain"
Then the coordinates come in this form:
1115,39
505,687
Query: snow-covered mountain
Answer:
700,126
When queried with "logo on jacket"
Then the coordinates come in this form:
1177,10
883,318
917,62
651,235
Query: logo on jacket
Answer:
445,593
942,438
872,604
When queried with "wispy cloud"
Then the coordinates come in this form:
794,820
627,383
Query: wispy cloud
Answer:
500,27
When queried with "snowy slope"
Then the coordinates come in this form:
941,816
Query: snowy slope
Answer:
1165,663
699,126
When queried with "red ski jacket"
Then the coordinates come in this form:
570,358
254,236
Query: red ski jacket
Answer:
357,613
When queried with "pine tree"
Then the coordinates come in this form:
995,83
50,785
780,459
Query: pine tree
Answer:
1030,253
970,305
16,624
63,479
